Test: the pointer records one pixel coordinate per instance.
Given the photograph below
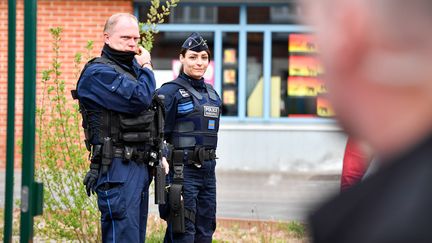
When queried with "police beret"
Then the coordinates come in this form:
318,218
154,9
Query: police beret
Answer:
195,42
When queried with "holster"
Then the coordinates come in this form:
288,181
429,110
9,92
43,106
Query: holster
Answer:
95,153
177,217
107,154
159,185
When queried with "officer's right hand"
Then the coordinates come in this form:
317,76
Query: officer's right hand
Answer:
90,180
165,165
143,57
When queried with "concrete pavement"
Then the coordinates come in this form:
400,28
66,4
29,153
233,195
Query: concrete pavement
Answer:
270,196
274,196
254,195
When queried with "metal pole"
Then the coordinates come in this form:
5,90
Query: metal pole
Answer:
10,134
27,188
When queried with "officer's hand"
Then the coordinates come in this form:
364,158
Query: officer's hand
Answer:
165,165
143,58
90,181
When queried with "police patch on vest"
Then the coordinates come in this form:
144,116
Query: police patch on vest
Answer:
211,111
184,93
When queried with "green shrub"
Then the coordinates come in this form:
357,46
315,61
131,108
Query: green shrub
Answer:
62,159
295,228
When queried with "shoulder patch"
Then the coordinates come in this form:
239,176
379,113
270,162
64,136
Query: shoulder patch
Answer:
184,93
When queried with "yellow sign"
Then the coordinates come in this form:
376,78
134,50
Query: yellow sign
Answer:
304,66
304,43
229,76
229,97
230,56
324,108
303,86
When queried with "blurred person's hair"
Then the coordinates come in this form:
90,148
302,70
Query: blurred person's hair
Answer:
404,22
402,29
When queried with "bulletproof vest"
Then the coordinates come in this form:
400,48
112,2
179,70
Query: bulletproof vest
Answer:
123,129
200,126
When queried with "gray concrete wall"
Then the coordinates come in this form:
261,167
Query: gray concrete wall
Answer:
280,147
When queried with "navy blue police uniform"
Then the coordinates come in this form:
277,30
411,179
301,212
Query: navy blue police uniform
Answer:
192,113
114,91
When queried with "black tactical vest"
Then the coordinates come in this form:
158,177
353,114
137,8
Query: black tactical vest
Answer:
199,127
123,129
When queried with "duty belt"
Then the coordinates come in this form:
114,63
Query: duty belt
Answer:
196,156
131,153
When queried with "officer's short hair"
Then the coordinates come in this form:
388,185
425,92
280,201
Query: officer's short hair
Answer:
113,20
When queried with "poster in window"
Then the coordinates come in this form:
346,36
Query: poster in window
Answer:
229,97
230,56
324,108
321,89
302,43
304,66
303,86
230,76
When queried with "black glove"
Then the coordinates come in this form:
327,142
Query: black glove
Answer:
91,178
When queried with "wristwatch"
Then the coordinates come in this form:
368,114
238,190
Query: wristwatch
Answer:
147,63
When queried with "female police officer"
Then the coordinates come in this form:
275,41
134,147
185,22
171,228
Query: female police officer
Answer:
192,110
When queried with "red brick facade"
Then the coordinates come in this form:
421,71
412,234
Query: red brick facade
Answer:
81,21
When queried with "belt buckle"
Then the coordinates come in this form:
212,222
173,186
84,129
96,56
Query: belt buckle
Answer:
128,153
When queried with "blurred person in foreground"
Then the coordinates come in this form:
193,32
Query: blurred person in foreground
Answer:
378,57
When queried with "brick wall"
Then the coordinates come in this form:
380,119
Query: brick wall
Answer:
81,21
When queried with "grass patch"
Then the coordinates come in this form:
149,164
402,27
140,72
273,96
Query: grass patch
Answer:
155,229
228,230
232,230
15,222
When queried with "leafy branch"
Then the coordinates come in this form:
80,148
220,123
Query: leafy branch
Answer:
156,15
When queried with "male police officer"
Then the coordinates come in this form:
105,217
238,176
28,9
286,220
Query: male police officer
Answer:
115,93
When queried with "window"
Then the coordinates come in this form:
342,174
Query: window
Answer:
230,65
288,13
193,15
298,73
254,75
293,87
165,55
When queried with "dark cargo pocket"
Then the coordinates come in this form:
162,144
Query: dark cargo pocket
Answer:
111,202
137,123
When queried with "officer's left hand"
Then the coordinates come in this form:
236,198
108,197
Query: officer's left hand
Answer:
90,181
165,165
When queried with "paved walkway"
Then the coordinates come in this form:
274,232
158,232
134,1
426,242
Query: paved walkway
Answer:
278,196
252,195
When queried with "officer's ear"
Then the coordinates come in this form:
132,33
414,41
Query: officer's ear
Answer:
181,58
106,38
